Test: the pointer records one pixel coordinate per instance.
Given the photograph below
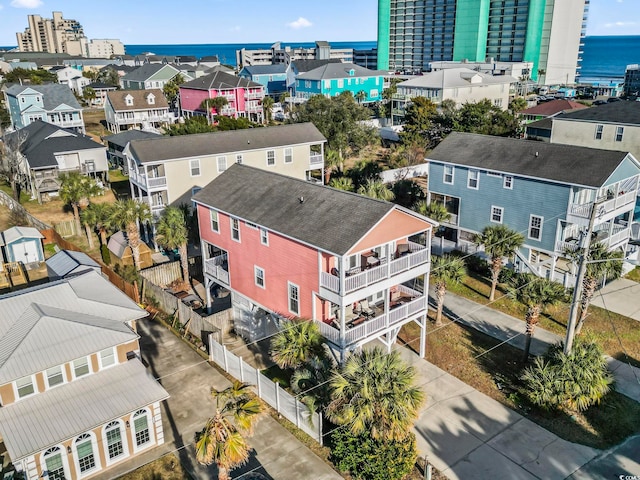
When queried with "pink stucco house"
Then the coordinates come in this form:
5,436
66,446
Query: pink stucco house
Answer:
286,248
244,96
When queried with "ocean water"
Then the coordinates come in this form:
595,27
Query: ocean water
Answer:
604,59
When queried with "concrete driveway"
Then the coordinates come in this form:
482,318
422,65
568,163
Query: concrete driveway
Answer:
188,379
620,296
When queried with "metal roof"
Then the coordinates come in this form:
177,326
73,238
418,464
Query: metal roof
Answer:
566,164
46,419
455,77
16,233
338,70
67,261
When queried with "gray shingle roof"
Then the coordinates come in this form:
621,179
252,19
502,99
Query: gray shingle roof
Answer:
219,80
168,148
330,219
625,112
121,139
38,422
266,69
53,95
147,70
44,140
338,70
117,99
560,163
55,323
308,65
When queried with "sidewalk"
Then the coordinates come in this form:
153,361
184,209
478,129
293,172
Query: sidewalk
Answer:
188,379
505,327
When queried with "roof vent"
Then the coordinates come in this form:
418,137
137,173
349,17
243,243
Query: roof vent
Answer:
536,154
301,199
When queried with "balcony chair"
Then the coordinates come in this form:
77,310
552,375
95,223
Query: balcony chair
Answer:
365,309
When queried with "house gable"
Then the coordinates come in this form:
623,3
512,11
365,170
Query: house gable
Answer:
629,167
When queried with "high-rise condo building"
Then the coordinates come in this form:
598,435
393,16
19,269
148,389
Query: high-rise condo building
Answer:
549,33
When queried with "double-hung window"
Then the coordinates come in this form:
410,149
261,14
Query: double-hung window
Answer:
535,227
115,445
215,226
107,357
194,166
141,428
473,179
599,129
222,164
235,229
448,174
259,276
264,236
619,133
294,299
81,367
239,158
84,450
25,386
288,155
496,214
507,182
54,376
271,158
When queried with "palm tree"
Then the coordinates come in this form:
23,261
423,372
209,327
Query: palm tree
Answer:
172,233
222,441
435,211
127,215
331,161
296,343
499,241
602,262
75,190
375,392
342,183
267,103
376,189
311,382
361,96
535,293
215,103
97,216
445,270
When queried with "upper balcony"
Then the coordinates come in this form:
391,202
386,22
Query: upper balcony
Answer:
217,267
374,269
316,160
153,180
373,320
253,95
615,199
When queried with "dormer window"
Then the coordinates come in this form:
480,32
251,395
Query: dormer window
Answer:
128,100
352,72
151,99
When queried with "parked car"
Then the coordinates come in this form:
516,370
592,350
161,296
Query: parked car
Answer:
600,102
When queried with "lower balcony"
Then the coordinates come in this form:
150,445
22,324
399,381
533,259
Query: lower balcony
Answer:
366,322
217,268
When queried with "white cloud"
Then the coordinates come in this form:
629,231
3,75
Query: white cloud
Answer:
301,22
619,24
26,3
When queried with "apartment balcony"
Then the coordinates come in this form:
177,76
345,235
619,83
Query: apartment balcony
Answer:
254,95
611,235
408,305
253,108
376,270
69,123
147,183
616,204
217,268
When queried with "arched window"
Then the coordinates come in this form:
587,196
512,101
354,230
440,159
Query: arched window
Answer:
85,453
114,440
141,428
53,464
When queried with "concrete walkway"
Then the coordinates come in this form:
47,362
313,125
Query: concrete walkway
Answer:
621,296
507,328
189,379
466,434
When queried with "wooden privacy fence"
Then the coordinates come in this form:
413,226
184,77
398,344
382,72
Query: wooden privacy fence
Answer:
218,324
66,228
163,274
12,204
286,404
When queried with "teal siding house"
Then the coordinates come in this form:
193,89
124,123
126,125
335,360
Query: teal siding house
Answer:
273,77
544,191
332,79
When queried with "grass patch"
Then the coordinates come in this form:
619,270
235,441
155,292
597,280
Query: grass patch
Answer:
49,250
634,275
165,468
119,184
460,351
619,336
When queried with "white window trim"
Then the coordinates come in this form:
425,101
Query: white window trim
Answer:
191,167
123,439
231,219
239,158
15,387
621,130
255,277
96,456
267,157
224,159
63,456
211,212
477,179
529,228
73,367
150,426
290,150
289,285
501,214
114,351
251,225
444,175
504,182
46,377
264,236
599,131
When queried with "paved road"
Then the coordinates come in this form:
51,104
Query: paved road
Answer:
188,379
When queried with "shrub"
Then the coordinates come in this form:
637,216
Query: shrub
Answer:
478,265
506,275
106,254
571,382
366,458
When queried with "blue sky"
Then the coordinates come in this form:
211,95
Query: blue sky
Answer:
249,21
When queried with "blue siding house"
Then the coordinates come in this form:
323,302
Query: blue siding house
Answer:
273,77
332,79
545,191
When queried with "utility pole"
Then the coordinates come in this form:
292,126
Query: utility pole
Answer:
577,291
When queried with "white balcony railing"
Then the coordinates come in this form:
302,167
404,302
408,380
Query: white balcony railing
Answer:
154,182
584,210
215,267
145,182
316,159
418,255
376,325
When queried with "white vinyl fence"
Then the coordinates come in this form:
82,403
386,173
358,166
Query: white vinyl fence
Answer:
283,402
